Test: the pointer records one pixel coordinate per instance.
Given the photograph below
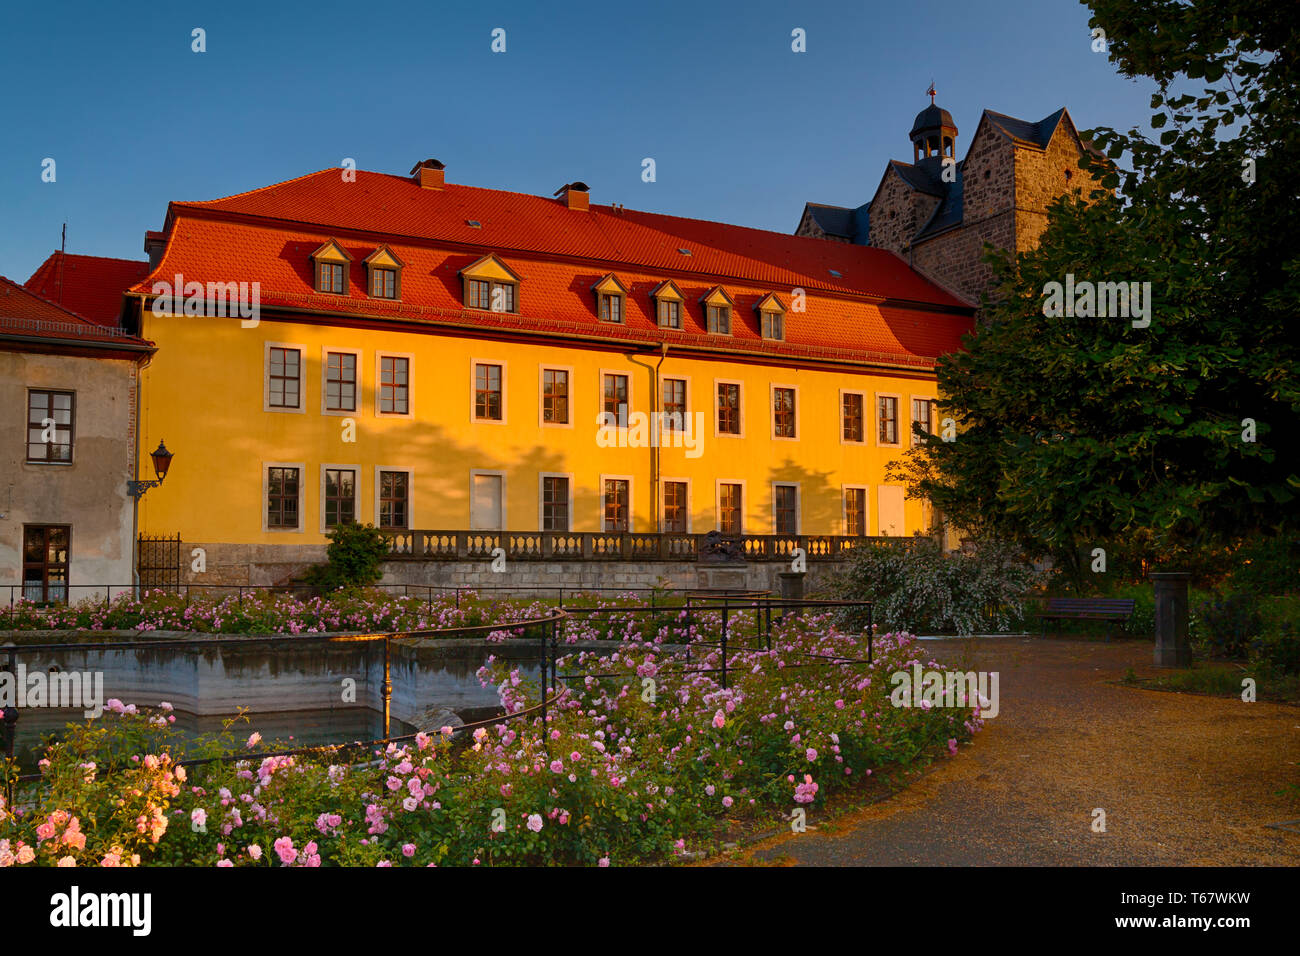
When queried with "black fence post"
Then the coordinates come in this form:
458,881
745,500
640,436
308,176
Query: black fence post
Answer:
871,630
543,649
725,615
388,688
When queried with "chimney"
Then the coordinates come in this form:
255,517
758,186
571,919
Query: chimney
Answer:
574,195
154,242
429,174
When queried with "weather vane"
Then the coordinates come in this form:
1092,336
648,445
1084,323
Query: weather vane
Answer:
932,91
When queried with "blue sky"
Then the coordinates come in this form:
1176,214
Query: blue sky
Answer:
741,128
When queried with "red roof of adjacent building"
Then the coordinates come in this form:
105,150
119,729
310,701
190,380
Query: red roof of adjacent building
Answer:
91,286
863,303
25,313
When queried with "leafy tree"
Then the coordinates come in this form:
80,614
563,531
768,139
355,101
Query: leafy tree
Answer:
1077,432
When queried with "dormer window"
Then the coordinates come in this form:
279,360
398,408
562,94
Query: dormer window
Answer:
668,301
385,271
330,265
490,285
717,310
771,312
610,298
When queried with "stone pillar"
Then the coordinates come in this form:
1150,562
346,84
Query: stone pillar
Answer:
792,588
1173,647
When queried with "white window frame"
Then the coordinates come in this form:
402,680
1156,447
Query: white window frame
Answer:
798,505
320,492
866,416
690,403
266,491
866,508
301,409
541,503
771,411
934,414
714,405
542,369
474,363
631,501
690,503
325,351
717,501
875,419
410,383
600,395
410,494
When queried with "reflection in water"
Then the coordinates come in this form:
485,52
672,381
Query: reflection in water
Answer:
315,692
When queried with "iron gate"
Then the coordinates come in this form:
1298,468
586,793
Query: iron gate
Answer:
159,563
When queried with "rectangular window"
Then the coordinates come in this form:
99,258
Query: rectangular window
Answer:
479,294
329,277
729,508
617,494
615,397
394,499
50,426
555,504
674,404
853,429
394,384
282,498
340,382
45,563
491,296
285,382
340,496
773,325
670,314
487,392
923,415
611,307
855,511
675,506
503,297
383,283
729,408
719,319
555,396
783,412
786,504
888,413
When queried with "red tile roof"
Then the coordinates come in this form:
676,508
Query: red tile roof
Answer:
24,313
875,309
92,286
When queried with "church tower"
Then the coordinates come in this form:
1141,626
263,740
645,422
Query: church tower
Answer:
934,138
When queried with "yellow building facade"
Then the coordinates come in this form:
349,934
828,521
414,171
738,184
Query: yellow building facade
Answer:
446,358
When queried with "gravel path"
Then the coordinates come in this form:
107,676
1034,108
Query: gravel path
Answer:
1184,779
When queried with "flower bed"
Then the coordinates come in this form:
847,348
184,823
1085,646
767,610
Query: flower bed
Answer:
639,765
265,613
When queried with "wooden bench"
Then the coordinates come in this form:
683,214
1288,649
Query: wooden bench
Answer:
1087,609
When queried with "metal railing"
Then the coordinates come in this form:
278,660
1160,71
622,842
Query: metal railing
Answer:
549,643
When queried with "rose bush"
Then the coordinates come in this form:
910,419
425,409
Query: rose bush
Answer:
644,754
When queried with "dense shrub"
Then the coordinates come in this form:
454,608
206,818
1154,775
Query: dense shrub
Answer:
917,586
355,555
1229,624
